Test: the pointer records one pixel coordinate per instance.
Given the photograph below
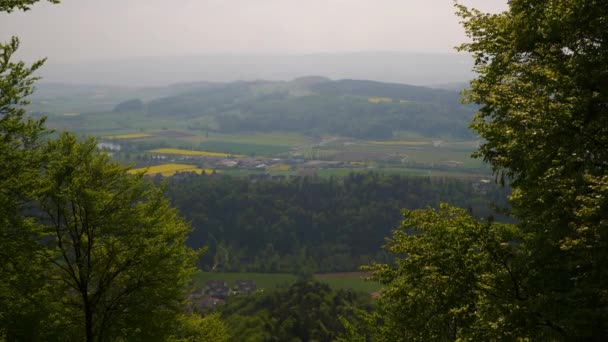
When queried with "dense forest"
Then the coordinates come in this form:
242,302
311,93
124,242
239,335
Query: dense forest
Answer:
307,310
323,225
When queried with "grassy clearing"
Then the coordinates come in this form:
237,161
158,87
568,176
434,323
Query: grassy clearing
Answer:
266,281
192,153
271,281
243,148
273,138
352,282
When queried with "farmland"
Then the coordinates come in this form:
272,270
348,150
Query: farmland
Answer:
269,132
168,170
129,136
191,152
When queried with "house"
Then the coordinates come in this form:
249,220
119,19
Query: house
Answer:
217,289
244,287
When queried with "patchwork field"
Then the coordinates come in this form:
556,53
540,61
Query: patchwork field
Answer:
142,137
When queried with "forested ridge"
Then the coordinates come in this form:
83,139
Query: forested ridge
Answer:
315,106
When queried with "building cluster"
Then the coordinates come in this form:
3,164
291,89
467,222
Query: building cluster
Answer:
216,292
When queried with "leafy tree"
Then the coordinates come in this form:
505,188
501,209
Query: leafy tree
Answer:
543,93
120,263
20,160
454,278
87,251
24,5
304,311
194,328
543,99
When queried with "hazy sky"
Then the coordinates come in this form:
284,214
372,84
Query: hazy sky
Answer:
79,30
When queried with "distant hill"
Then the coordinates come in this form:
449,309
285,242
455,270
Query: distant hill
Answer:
317,105
398,67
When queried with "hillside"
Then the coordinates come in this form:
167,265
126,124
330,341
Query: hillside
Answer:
316,106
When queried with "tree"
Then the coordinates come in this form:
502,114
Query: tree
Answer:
541,87
543,115
23,5
118,248
87,251
194,328
454,278
20,160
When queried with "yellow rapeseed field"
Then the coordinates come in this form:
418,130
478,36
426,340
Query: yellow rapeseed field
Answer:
279,167
168,170
379,99
129,136
192,153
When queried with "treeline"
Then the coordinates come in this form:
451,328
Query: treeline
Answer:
310,224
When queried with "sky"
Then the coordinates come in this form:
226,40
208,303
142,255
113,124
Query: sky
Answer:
81,30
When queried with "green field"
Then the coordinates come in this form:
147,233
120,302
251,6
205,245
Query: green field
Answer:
270,281
243,148
266,281
352,281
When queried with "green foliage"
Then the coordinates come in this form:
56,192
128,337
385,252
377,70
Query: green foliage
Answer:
454,278
329,225
544,119
195,328
305,311
21,280
542,67
23,5
117,247
87,251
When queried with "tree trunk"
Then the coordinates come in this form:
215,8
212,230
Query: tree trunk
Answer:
88,317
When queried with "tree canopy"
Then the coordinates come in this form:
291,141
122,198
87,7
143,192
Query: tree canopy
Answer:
542,88
87,251
543,98
21,158
117,247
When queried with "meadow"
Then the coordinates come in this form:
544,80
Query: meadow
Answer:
178,151
269,281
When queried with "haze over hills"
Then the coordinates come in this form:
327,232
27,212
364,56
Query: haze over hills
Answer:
312,105
399,67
